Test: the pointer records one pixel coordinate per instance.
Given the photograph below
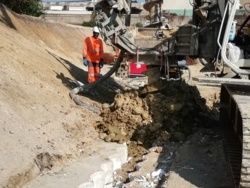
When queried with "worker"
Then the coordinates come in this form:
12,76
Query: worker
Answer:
93,55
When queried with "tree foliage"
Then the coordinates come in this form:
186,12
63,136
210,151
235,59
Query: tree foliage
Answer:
88,24
30,7
139,24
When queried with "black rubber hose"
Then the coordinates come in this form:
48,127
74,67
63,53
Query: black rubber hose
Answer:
86,88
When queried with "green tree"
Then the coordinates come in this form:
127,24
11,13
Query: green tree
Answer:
139,24
30,7
88,24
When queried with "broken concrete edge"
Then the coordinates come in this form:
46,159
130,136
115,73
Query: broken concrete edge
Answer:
104,177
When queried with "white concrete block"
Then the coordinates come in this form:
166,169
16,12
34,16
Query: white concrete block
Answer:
86,185
108,170
117,163
98,178
123,151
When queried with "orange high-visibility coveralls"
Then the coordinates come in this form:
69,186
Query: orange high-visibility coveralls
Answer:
93,51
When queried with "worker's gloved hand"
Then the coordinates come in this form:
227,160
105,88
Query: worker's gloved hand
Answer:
101,63
85,62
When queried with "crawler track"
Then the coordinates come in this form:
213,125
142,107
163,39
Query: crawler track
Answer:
235,116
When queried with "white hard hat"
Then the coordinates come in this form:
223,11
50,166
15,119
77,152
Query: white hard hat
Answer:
96,30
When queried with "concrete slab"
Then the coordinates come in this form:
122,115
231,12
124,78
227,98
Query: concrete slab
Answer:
94,171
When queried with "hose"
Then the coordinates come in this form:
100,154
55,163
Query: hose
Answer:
88,87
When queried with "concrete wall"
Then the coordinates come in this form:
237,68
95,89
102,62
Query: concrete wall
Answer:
179,7
79,19
177,4
56,7
68,18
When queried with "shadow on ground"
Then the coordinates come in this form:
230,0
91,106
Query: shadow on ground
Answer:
103,93
6,18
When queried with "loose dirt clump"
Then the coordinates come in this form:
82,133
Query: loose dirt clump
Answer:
127,114
154,118
121,119
46,161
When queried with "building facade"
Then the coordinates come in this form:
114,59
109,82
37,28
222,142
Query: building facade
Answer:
179,7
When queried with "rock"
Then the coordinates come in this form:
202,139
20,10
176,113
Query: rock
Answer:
139,143
107,139
137,110
123,132
145,116
158,173
112,134
102,135
118,101
156,149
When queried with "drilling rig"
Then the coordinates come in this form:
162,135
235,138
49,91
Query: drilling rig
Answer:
213,35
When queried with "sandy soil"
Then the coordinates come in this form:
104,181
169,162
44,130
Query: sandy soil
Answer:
41,127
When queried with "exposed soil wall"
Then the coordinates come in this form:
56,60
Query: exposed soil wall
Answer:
40,126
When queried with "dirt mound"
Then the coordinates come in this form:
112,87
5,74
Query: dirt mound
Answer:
128,113
132,117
